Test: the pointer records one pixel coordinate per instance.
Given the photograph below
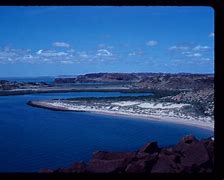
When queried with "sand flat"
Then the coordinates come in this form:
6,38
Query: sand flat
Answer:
158,115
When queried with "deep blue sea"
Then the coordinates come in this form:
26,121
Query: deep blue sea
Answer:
46,79
33,138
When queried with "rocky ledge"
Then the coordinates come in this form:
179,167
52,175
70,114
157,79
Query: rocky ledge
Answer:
190,155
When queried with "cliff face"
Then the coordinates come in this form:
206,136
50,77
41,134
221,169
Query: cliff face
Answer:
188,156
177,82
100,77
161,81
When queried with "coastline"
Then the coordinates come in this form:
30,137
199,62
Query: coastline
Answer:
168,119
70,89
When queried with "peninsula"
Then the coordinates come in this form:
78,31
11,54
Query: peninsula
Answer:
178,98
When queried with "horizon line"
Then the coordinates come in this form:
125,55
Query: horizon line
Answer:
39,76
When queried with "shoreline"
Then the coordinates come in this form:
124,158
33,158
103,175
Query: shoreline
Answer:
167,119
164,119
68,90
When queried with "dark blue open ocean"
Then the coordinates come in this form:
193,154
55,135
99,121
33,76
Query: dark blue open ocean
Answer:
46,79
33,138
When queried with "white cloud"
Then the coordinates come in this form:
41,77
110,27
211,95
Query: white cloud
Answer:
29,56
151,43
212,35
10,55
68,56
13,55
179,48
50,53
193,61
190,51
83,54
61,44
186,49
200,47
136,53
66,62
39,51
103,52
194,55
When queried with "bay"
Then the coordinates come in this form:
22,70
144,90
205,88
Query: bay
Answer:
33,138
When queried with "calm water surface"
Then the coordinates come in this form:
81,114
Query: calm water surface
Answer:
33,138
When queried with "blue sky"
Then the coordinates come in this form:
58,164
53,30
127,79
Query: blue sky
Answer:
41,41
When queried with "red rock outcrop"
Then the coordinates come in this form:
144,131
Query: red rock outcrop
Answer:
188,156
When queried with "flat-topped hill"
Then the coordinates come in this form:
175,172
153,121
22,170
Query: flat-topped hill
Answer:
163,81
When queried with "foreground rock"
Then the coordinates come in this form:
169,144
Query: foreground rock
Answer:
188,156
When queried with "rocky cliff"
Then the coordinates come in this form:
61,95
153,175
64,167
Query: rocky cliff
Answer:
177,82
190,155
101,77
160,81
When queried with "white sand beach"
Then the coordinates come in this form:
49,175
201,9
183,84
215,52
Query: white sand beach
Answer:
159,115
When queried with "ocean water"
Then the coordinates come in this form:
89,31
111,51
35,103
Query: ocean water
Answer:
46,79
33,138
